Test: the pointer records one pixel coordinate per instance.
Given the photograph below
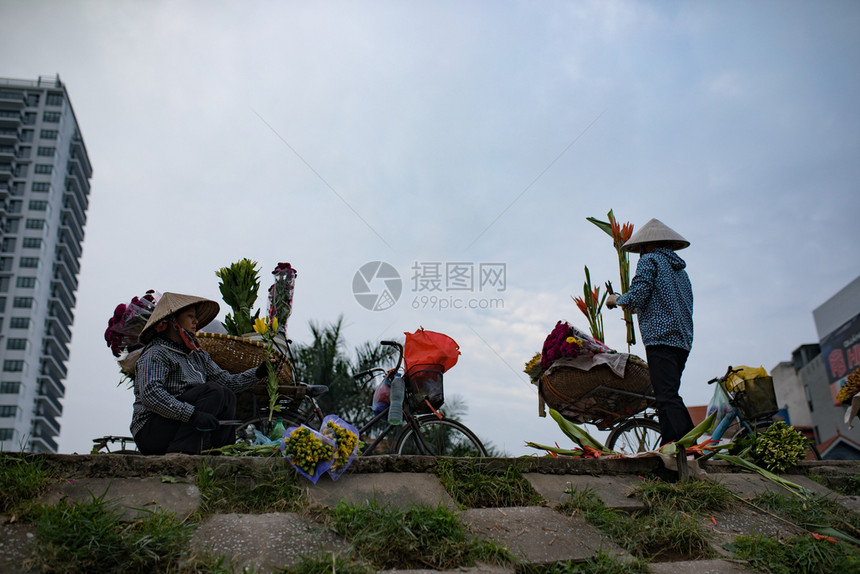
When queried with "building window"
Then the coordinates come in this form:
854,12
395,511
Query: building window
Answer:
38,205
21,169
25,282
41,186
49,134
2,304
22,302
7,434
8,244
28,262
51,117
24,152
16,344
35,224
27,135
12,225
19,323
33,100
17,188
10,388
44,168
32,243
14,206
8,410
13,366
4,284
54,99
5,264
46,151
28,120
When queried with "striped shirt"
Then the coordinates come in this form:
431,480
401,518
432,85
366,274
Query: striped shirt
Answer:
165,370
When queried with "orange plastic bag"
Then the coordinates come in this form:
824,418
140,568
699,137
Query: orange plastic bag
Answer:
430,348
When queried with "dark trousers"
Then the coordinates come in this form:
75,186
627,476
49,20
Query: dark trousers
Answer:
162,435
665,365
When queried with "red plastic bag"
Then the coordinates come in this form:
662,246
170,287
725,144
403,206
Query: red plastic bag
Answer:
430,348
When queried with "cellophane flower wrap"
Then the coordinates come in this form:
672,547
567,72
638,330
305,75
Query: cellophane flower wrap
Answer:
127,322
566,341
309,451
345,437
281,295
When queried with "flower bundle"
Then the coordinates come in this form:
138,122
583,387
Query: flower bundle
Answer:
281,294
591,305
566,341
533,368
345,437
850,388
779,447
620,233
267,333
239,286
127,322
310,452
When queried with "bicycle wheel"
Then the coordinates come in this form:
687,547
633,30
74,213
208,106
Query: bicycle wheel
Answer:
439,437
265,426
635,435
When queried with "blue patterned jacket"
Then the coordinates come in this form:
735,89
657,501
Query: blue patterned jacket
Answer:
661,294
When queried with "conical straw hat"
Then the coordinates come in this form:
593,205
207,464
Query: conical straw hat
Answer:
655,232
172,303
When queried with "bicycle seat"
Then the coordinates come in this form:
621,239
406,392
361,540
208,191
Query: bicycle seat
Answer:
315,390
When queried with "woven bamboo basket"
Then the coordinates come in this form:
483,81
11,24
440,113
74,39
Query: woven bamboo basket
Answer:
237,354
597,396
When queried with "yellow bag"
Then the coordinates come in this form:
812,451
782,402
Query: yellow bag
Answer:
735,381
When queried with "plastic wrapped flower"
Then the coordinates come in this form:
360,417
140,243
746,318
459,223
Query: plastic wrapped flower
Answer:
281,295
310,452
127,322
345,437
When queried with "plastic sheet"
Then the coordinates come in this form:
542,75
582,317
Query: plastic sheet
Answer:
309,451
345,437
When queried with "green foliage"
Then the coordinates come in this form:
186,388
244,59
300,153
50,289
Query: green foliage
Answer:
779,447
657,532
249,489
325,362
90,537
688,496
328,564
800,555
418,537
603,563
239,286
21,479
811,512
476,484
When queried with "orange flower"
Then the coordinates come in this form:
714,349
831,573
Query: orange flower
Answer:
821,537
596,295
582,305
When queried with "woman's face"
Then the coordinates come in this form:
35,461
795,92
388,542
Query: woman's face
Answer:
187,319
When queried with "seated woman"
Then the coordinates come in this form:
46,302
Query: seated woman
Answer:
180,394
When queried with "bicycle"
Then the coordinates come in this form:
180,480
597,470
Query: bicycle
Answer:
753,405
425,429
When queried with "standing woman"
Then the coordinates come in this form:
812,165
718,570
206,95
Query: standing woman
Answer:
662,297
180,394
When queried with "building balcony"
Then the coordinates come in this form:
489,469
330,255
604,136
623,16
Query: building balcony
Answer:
68,221
50,404
6,172
53,368
42,444
7,153
58,328
52,388
63,273
48,423
57,308
8,136
79,156
67,258
55,347
10,119
61,293
12,100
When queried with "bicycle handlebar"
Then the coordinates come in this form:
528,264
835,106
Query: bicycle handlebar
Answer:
729,371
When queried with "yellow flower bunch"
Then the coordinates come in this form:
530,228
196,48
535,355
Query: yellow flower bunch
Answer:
533,369
850,388
345,439
306,450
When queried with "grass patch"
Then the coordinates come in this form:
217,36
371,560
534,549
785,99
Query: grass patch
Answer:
847,484
663,532
327,565
603,563
800,555
90,537
418,537
21,479
811,512
250,490
689,496
473,484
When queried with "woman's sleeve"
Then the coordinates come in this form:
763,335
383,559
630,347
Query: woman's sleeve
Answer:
153,370
235,382
641,286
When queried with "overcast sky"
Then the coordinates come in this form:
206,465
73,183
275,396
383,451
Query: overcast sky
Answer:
333,134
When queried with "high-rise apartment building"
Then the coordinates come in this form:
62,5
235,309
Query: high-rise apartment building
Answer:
44,191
